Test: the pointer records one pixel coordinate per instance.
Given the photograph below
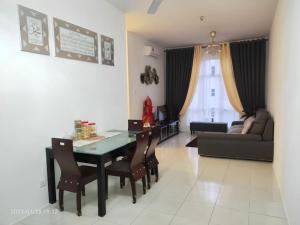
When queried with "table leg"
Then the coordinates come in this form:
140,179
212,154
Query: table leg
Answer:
51,177
101,188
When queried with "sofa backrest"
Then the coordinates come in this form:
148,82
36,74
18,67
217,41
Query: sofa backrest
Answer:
268,134
263,125
261,118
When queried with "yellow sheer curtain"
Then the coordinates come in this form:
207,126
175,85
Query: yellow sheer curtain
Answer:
194,79
229,80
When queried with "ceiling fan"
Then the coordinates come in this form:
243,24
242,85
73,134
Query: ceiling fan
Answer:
154,6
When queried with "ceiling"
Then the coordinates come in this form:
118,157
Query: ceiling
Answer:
177,22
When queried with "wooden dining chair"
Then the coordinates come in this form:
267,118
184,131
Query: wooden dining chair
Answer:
151,162
73,177
135,125
132,168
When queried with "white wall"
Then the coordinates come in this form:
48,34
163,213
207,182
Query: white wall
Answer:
283,102
136,65
40,96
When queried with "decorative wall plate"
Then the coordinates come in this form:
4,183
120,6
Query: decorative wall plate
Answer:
149,76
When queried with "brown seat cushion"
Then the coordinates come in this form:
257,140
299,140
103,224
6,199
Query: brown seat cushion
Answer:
260,121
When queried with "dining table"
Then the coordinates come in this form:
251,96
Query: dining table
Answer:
98,153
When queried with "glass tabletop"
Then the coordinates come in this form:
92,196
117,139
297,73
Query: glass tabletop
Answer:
108,144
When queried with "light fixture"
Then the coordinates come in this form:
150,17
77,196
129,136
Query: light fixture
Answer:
213,48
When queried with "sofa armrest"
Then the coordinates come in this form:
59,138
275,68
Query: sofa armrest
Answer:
237,123
228,137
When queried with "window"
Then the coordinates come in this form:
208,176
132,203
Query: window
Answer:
210,102
213,92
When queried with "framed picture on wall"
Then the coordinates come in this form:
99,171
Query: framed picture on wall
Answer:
34,31
107,50
75,42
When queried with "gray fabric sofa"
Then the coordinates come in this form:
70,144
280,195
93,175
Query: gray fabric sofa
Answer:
256,144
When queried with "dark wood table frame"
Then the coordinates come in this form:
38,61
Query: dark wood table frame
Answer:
98,160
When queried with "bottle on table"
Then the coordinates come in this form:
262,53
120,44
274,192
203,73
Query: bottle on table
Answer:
85,130
78,130
92,129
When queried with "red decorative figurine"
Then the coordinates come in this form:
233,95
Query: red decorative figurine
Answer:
148,118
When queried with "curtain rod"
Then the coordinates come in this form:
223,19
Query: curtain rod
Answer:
219,43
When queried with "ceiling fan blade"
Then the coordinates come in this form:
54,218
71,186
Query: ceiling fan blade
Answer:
154,6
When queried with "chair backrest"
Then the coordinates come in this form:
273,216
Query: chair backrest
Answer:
63,153
154,140
135,125
138,158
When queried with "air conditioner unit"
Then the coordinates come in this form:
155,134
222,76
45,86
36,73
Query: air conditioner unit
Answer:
152,51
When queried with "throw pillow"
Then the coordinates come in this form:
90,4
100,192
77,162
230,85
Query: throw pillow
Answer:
248,124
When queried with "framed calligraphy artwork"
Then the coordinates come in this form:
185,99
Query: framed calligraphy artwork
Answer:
74,42
107,50
34,31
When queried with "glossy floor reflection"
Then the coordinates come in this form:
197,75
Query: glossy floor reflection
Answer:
192,190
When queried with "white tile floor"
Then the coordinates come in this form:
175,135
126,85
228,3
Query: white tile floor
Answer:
192,190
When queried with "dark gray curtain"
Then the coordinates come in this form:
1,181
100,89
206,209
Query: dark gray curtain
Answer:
249,67
179,63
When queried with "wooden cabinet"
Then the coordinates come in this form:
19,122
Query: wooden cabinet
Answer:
168,130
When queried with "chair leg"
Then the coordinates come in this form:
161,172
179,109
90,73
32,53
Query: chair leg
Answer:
133,189
156,173
83,191
148,178
152,171
106,185
122,182
78,200
144,184
61,200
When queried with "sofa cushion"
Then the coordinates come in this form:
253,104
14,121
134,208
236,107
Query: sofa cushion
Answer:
260,121
248,124
235,129
238,126
268,134
213,136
